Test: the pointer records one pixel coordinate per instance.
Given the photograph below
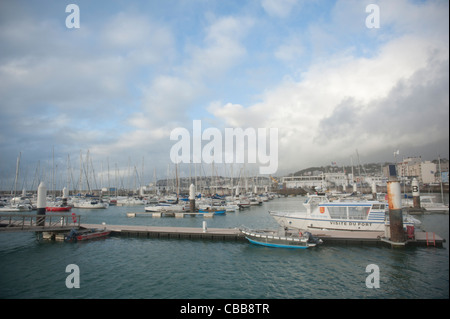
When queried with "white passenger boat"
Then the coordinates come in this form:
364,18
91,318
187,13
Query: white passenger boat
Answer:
321,213
280,239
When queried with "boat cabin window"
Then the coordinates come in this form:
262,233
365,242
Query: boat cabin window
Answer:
358,212
379,206
337,212
314,201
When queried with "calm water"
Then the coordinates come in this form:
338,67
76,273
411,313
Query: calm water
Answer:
171,268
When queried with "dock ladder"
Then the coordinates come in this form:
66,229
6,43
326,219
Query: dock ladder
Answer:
431,241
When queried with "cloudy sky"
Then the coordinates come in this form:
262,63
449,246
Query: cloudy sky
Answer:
136,70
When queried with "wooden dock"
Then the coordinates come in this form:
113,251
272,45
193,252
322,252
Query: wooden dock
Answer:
421,238
234,234
180,214
172,232
58,223
19,222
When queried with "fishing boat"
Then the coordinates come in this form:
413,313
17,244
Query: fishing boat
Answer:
80,235
281,239
321,213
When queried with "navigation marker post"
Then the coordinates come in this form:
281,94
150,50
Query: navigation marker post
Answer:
41,204
395,208
192,198
415,193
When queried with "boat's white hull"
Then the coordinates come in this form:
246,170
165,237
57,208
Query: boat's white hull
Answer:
164,208
299,221
88,205
436,208
16,208
302,221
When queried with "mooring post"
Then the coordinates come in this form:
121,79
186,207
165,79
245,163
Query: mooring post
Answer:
41,204
192,198
395,207
415,193
374,191
65,196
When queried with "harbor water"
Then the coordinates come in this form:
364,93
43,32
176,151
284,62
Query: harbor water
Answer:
121,268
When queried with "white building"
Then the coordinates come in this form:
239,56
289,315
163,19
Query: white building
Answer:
414,167
427,170
310,181
304,181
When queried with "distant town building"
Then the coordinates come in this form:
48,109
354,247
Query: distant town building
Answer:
308,181
414,167
426,172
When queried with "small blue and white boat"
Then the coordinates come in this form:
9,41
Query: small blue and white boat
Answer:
212,210
284,239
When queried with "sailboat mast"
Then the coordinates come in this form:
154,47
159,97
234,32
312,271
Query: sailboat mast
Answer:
176,176
17,173
440,178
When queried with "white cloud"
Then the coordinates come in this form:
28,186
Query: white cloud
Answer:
166,100
290,51
132,73
222,48
350,102
278,8
138,39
